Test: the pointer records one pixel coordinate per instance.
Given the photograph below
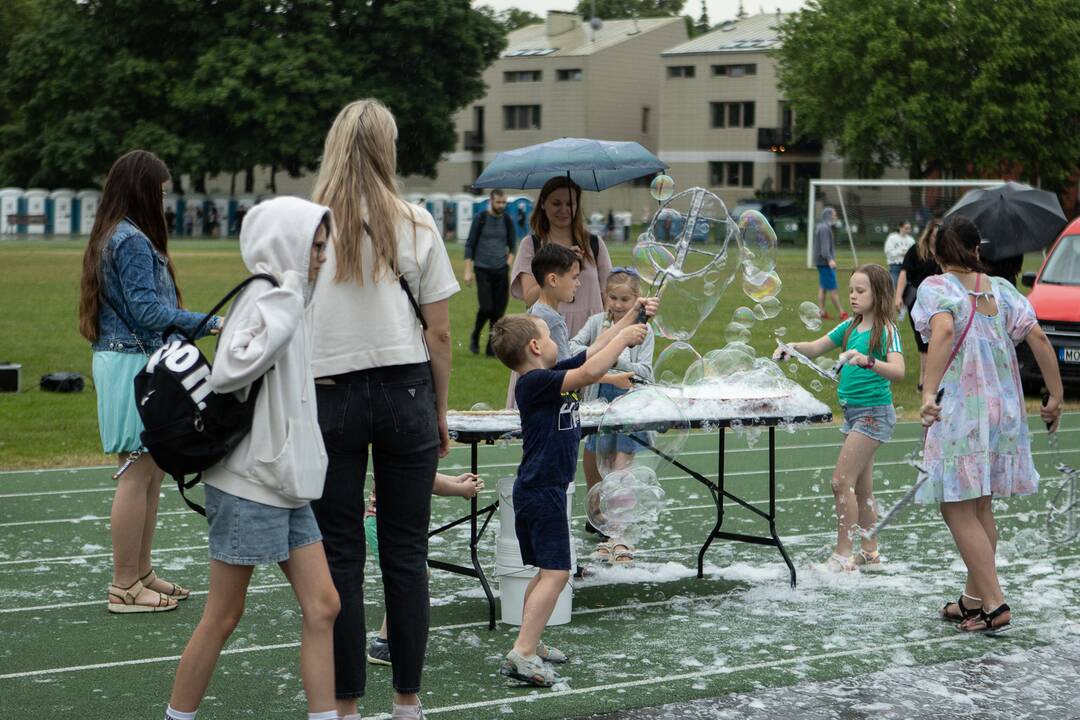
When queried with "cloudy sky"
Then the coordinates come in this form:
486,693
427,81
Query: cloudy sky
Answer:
718,9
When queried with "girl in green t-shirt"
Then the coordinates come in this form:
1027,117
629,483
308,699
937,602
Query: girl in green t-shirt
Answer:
871,359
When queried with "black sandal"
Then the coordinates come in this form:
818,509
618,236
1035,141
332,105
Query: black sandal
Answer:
965,611
985,621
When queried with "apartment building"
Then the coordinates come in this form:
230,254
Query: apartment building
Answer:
724,123
563,78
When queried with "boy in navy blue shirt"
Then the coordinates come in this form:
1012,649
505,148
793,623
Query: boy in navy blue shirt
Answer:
551,432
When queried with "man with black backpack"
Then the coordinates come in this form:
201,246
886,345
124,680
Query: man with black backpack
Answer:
489,252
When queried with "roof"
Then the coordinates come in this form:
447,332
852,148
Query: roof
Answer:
756,33
533,40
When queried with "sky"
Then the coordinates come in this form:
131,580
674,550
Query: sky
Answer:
719,10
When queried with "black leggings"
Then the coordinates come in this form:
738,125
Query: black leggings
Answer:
393,409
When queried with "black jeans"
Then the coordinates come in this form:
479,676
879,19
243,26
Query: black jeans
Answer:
493,292
392,409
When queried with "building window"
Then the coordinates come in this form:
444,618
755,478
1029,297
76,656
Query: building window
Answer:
477,169
732,114
569,75
794,176
680,71
734,70
644,120
731,174
516,76
521,117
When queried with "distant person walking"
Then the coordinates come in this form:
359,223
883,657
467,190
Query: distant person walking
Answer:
128,297
824,252
919,264
489,253
896,245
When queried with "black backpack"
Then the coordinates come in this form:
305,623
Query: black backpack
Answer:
189,427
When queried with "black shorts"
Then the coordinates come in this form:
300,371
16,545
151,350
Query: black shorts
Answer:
541,527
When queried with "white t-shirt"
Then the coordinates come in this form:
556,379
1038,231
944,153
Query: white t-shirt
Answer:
896,246
357,327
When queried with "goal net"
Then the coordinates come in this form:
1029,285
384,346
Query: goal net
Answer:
868,210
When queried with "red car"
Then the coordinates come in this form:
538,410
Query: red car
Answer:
1055,295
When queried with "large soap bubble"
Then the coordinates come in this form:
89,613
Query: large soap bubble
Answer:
736,332
626,503
662,187
744,316
651,258
810,314
643,427
726,361
758,241
673,362
685,304
768,308
759,285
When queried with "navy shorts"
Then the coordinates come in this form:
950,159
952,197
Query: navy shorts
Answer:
826,277
541,527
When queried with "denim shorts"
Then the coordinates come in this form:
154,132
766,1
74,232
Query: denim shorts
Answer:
876,422
610,443
245,532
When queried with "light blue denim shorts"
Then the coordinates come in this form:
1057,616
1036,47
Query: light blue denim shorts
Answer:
244,532
876,422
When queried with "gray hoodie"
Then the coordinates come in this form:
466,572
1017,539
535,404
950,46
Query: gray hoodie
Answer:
282,461
824,244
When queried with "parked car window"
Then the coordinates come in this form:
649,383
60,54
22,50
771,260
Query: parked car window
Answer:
1063,267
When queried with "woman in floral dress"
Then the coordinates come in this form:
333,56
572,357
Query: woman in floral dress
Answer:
977,444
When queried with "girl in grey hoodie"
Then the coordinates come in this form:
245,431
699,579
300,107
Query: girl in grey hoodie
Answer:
257,498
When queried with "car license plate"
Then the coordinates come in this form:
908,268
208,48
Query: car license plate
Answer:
1070,355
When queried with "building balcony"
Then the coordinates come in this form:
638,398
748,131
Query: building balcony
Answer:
782,140
474,141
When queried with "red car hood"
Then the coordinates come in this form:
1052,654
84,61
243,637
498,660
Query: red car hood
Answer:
1056,302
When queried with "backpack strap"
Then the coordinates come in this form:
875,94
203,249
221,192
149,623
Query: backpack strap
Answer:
405,286
182,485
594,245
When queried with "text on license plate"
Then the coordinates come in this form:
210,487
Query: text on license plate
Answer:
1070,355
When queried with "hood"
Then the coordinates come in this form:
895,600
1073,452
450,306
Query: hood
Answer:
277,234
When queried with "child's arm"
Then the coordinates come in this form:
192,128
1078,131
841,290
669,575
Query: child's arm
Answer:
1046,359
596,366
627,320
810,349
891,369
465,485
642,367
253,339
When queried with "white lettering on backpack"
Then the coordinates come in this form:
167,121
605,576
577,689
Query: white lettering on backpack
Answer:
162,352
180,358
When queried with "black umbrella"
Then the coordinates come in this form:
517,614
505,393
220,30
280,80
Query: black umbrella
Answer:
1012,218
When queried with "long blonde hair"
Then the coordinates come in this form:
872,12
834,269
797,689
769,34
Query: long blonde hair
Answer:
357,181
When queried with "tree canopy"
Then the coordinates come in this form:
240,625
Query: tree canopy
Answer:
950,86
622,9
218,87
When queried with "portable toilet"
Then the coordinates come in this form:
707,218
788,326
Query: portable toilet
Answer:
623,222
61,212
221,204
436,205
172,204
464,215
86,207
34,202
244,203
195,214
9,205
520,208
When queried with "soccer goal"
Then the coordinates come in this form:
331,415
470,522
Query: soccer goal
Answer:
868,210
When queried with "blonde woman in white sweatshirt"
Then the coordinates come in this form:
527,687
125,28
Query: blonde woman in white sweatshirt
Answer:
257,498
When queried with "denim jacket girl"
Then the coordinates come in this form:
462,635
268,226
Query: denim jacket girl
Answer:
136,283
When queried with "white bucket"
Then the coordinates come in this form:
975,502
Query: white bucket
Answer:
513,576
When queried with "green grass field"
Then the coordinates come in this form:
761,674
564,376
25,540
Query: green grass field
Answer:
639,636
38,328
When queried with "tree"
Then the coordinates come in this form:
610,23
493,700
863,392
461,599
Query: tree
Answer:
621,9
952,86
703,24
513,18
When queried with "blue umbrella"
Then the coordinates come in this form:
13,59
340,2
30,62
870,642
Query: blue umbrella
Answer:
591,164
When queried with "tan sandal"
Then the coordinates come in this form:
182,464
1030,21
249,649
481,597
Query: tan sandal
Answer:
868,561
176,592
602,552
622,553
128,600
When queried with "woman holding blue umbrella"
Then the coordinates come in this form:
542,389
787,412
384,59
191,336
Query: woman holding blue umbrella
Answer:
558,217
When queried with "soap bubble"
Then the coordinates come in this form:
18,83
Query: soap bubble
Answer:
825,363
728,360
667,226
760,285
793,368
480,407
769,306
626,503
736,332
651,257
810,314
684,306
662,187
643,427
696,373
780,331
816,386
672,364
758,241
743,315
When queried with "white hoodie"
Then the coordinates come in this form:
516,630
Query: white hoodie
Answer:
282,461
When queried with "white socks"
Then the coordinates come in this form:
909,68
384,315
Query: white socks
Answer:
328,715
172,714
